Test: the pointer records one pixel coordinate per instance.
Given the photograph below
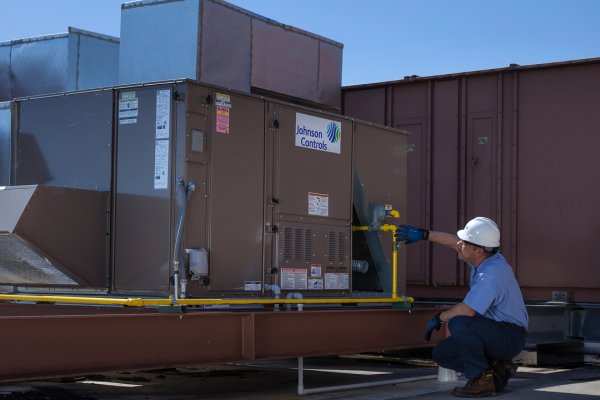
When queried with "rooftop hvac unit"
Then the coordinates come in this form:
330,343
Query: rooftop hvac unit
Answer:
237,192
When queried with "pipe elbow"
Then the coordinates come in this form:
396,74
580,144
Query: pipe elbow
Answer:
273,288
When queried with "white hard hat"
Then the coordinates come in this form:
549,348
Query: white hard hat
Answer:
481,231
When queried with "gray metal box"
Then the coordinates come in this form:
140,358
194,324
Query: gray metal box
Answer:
215,42
69,61
63,140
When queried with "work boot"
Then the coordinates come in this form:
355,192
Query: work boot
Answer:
480,387
503,371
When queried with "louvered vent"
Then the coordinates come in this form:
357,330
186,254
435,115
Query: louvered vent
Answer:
341,247
297,244
287,244
308,244
332,246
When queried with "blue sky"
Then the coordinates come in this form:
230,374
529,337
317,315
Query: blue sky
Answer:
383,39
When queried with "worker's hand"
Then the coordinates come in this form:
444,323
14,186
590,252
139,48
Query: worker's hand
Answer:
410,234
435,323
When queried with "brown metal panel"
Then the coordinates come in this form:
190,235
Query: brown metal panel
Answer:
368,104
65,141
142,213
445,178
558,210
481,141
236,196
70,226
522,176
92,343
301,170
225,56
284,61
330,74
480,166
410,102
312,200
380,161
54,236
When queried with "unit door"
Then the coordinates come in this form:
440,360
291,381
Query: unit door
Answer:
142,209
311,193
236,194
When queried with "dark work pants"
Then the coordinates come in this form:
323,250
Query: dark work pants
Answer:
475,341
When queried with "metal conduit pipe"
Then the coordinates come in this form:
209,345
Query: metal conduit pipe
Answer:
180,276
175,262
294,295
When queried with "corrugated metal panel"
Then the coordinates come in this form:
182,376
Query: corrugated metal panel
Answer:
515,144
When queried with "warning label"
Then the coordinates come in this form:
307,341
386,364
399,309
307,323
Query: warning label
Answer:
337,281
315,284
222,119
318,204
294,278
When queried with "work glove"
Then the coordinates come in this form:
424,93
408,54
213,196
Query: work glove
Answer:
435,323
409,234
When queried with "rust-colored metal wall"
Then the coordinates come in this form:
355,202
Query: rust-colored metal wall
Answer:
516,144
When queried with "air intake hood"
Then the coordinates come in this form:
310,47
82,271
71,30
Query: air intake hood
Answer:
53,236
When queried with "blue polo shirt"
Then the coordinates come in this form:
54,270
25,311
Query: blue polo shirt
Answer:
495,293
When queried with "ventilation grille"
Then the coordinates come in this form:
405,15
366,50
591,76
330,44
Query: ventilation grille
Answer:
297,244
336,247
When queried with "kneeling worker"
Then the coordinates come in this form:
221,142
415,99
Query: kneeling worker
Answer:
488,328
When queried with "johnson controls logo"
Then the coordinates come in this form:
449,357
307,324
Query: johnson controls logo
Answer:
318,133
334,132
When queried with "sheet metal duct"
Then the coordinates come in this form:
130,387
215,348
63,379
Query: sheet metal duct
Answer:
215,42
53,237
73,60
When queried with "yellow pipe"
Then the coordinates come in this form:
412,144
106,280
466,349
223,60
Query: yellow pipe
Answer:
133,302
139,302
395,213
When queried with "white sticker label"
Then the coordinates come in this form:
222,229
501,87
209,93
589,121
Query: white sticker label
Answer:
337,281
294,278
223,100
128,108
161,164
318,133
318,204
252,286
163,113
315,271
315,284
